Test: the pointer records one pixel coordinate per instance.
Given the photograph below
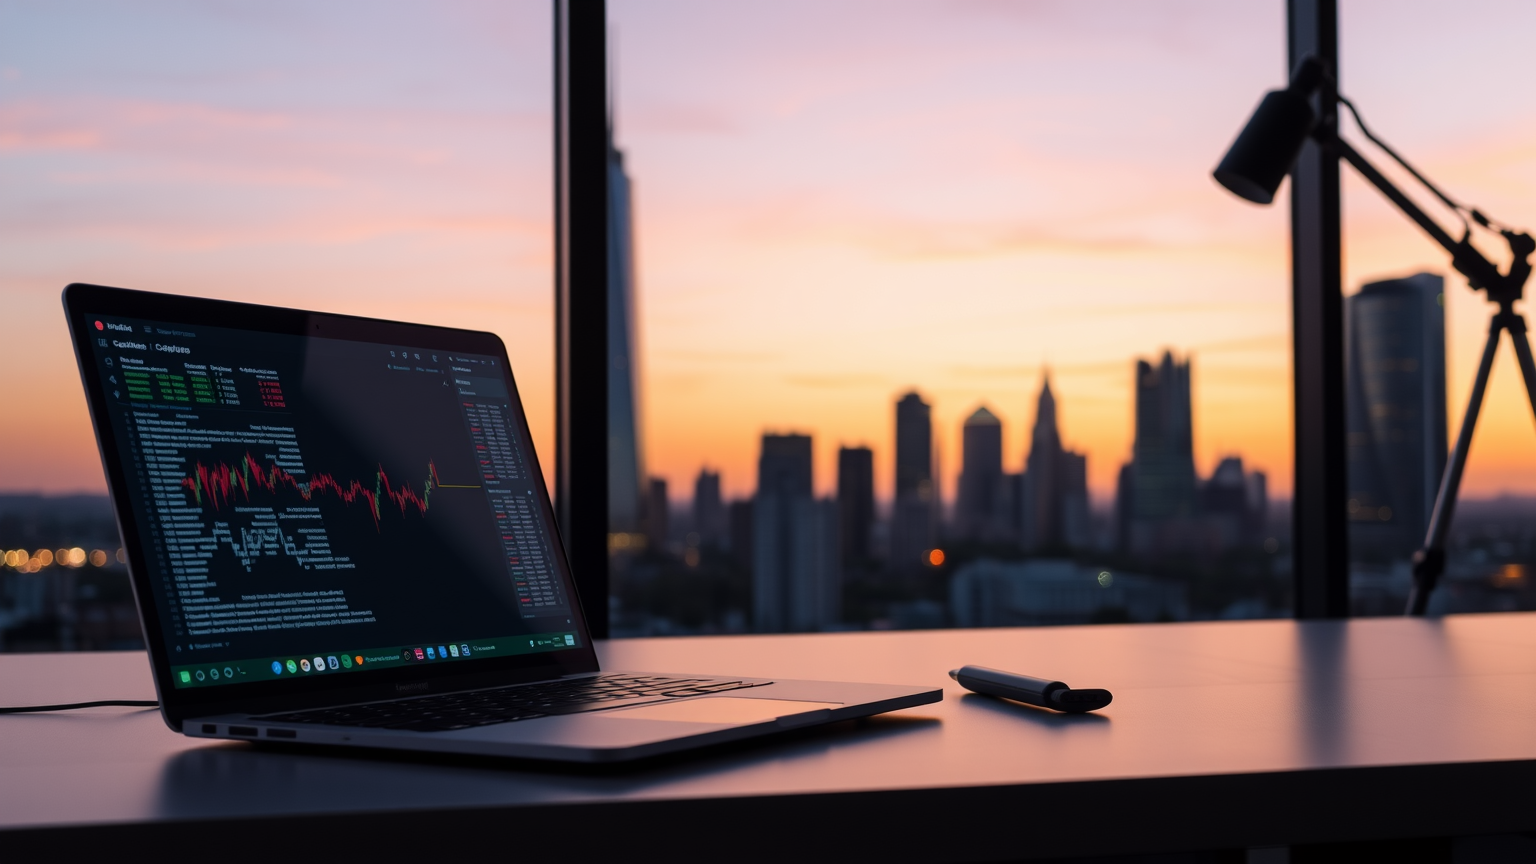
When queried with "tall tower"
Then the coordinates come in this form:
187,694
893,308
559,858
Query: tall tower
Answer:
912,522
708,509
658,514
1163,455
626,466
1395,395
796,583
855,504
980,504
1039,510
1053,493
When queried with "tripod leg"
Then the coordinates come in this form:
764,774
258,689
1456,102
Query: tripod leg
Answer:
1429,562
1516,328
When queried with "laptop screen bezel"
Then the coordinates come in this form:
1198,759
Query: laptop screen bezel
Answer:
83,301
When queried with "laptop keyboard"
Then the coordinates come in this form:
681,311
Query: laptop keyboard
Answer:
504,704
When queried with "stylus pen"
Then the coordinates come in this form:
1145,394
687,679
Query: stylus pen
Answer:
1033,691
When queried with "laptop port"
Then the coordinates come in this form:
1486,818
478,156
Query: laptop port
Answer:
282,733
248,731
210,729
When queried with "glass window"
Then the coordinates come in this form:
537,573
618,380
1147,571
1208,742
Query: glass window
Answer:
1416,329
389,159
943,321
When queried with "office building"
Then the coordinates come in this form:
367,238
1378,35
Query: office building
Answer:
796,579
1125,503
1163,454
916,506
979,491
1234,506
983,503
1053,491
1396,421
738,516
855,505
818,594
1072,500
626,464
709,518
1162,507
658,521
1161,503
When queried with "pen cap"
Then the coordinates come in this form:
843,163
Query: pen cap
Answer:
1078,701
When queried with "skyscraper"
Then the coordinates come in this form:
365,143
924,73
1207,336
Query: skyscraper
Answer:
982,505
796,583
626,464
658,514
855,504
1163,455
1234,506
1072,498
1053,492
1396,424
709,518
738,514
1125,505
912,522
1162,506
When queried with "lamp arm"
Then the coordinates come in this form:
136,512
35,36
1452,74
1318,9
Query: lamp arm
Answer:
1455,206
1403,202
1480,272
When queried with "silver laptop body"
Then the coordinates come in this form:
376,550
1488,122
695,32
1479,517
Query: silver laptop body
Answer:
338,533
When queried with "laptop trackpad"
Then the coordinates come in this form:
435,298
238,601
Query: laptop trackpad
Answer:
719,709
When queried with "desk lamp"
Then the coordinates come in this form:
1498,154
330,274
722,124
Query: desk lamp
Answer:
1261,157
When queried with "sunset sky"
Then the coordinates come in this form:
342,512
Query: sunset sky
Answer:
835,202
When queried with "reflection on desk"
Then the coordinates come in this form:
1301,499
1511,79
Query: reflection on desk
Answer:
1221,735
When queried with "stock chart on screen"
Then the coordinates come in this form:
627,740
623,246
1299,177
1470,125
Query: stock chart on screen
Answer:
300,495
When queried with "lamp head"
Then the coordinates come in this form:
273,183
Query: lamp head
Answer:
1267,147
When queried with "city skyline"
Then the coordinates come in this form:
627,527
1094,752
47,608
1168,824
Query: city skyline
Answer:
1162,401
791,245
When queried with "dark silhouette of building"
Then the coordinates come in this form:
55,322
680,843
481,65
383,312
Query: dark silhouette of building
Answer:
1163,503
914,447
1234,505
658,521
1072,498
1040,517
1125,505
855,504
739,516
626,463
709,510
1395,393
983,503
1053,496
1163,456
915,509
796,583
1162,506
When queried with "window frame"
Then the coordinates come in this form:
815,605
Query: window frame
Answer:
1320,562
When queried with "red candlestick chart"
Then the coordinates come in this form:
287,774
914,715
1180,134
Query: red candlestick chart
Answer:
219,483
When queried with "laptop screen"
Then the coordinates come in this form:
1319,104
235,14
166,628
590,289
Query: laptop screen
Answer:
315,506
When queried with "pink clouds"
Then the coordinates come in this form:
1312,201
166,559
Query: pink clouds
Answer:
379,159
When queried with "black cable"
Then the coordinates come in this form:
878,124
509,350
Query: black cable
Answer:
1461,210
70,706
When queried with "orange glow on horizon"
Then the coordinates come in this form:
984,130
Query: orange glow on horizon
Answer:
817,231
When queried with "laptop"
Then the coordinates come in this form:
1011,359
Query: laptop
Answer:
338,533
